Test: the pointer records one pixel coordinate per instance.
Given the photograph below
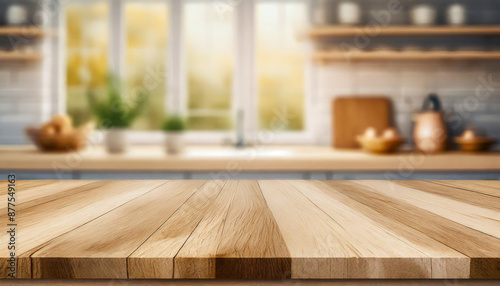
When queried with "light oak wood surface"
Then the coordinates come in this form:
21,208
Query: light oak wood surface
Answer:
258,158
256,230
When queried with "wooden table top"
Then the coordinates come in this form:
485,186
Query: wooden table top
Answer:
255,229
228,159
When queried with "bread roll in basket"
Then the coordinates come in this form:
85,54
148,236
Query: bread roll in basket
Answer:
58,135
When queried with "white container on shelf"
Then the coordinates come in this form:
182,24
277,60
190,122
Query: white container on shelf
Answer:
321,14
456,14
16,15
349,13
423,15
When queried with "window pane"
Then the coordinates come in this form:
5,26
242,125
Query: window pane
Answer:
209,37
146,58
280,65
87,54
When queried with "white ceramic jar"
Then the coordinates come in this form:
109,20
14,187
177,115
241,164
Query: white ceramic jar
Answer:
456,14
423,15
321,13
349,13
16,15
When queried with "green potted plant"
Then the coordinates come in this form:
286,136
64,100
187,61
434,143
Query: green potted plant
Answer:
174,127
115,113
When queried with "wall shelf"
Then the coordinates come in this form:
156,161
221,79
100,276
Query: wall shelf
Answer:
346,31
17,56
325,56
24,31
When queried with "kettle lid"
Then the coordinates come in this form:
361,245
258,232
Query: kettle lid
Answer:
432,103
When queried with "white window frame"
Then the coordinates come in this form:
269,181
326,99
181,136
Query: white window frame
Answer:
244,81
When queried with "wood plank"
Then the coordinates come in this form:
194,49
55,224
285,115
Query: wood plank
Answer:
19,56
89,253
343,31
397,55
36,195
252,246
26,31
491,183
39,224
446,262
259,254
478,218
313,239
256,230
155,257
476,186
454,193
381,254
196,259
23,185
483,249
378,282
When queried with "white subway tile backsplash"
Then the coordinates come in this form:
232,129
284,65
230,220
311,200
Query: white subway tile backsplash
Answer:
408,83
4,78
29,79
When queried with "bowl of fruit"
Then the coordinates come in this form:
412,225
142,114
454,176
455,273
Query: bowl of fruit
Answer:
59,135
388,142
471,141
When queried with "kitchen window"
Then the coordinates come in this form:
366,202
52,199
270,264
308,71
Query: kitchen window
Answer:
220,63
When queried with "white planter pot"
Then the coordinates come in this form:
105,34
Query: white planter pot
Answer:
174,142
116,140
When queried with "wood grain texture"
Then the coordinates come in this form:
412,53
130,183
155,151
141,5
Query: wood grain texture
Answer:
257,254
39,224
257,230
196,258
446,262
481,248
484,187
380,252
384,244
27,197
474,217
314,239
459,194
155,257
128,226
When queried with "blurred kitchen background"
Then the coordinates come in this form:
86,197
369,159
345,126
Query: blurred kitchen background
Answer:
240,73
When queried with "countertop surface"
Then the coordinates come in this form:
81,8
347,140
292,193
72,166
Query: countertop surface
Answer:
256,229
212,158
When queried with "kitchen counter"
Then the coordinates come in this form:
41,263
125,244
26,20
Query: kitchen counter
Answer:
212,158
256,229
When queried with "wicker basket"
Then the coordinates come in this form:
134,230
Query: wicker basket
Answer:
64,142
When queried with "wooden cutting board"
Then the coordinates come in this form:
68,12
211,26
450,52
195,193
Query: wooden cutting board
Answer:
352,115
